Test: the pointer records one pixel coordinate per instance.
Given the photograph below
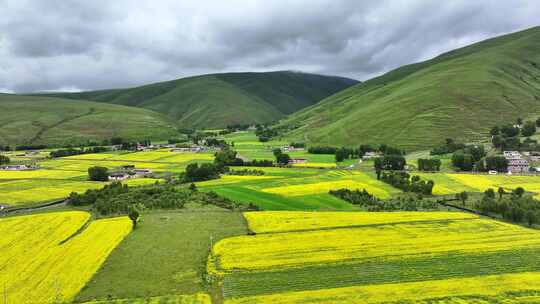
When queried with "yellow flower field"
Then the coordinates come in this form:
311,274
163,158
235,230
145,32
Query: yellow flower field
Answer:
199,298
316,164
34,191
324,187
280,221
298,249
493,285
40,173
44,260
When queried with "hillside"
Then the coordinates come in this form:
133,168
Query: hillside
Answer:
43,120
216,100
459,94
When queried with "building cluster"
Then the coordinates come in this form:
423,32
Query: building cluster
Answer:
127,172
516,162
19,167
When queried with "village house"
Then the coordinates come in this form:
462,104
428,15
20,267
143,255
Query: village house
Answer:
518,166
516,163
18,167
293,161
370,155
118,176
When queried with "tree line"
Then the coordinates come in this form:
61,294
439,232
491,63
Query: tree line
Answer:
372,203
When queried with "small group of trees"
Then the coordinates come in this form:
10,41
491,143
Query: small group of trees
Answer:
265,133
118,198
98,174
429,164
404,181
4,160
466,158
506,137
72,151
513,206
281,158
372,203
389,162
203,172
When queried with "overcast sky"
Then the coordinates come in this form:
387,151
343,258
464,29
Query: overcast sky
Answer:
83,45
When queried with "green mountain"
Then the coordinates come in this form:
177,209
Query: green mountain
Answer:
55,121
211,101
459,94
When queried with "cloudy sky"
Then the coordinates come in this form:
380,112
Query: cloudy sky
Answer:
82,45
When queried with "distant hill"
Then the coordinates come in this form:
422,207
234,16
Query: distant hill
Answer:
216,100
43,120
459,94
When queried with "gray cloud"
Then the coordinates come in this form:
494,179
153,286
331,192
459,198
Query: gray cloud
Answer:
81,45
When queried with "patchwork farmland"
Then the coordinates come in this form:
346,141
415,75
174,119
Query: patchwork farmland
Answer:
304,245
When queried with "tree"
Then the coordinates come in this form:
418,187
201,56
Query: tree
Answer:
134,214
462,196
497,163
494,131
497,141
531,217
283,159
193,187
519,121
509,130
4,160
519,191
529,128
489,193
463,161
538,122
341,154
501,192
97,173
276,152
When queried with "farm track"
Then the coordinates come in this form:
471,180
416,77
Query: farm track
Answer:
58,123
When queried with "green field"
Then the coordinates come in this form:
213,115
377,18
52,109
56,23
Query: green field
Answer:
460,94
217,100
55,121
165,255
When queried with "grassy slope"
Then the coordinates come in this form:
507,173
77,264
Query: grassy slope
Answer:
27,119
165,255
216,100
459,94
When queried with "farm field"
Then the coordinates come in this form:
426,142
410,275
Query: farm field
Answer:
392,257
57,178
199,298
47,257
297,189
165,255
449,183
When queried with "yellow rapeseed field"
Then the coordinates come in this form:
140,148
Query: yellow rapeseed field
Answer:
40,173
492,285
199,298
297,249
279,221
34,191
315,164
324,187
45,259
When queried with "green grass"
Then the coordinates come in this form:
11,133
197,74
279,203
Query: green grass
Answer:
165,255
460,94
214,101
55,121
